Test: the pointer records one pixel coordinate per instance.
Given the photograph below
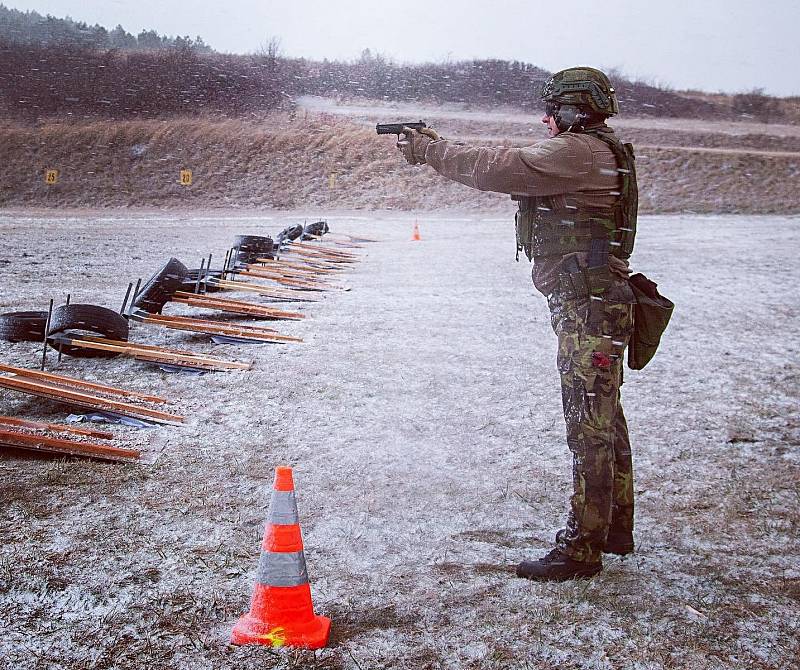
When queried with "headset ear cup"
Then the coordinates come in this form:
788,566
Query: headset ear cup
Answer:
570,116
565,117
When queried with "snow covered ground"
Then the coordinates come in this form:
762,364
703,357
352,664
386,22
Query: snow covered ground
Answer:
422,417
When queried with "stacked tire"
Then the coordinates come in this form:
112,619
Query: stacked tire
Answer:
315,230
74,321
290,234
249,248
23,326
159,289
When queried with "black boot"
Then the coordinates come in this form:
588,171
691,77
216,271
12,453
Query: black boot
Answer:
557,567
617,542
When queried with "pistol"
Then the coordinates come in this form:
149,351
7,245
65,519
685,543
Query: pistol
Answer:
397,128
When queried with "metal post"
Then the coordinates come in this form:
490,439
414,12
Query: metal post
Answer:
208,274
236,261
125,302
136,290
225,265
199,274
60,344
46,329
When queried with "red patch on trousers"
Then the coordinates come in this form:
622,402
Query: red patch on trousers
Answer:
600,360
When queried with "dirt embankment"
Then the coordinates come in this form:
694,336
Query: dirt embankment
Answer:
321,160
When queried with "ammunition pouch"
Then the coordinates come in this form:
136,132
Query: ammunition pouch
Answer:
575,282
652,313
524,224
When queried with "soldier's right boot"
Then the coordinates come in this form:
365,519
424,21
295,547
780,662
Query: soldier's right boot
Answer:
617,542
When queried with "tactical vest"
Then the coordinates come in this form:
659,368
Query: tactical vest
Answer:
549,226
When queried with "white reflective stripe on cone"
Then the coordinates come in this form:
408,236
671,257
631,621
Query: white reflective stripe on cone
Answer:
283,508
277,568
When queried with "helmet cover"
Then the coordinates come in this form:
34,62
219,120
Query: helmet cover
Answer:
584,87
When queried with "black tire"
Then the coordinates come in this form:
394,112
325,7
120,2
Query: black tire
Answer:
77,319
23,326
313,230
252,247
291,233
159,289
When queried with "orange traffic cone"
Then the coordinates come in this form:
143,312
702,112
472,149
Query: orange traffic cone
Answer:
281,612
415,234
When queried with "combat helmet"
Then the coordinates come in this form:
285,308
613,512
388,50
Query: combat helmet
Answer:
582,87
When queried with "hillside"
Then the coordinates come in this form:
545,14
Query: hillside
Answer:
287,160
79,79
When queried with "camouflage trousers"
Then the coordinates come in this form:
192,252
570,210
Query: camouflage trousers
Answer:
592,336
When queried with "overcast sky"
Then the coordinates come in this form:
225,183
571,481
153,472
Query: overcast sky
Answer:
713,45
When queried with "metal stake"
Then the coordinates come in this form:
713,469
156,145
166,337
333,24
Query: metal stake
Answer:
46,329
125,302
208,274
225,264
61,344
199,274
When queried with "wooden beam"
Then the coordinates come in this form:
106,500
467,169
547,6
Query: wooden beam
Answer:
293,283
237,306
55,427
261,289
62,394
79,383
18,440
152,354
255,333
319,267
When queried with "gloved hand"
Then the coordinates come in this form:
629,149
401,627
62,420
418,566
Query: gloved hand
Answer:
414,143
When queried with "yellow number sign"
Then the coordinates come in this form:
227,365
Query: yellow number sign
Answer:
51,177
186,177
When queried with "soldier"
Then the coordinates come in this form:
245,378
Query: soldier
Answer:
576,221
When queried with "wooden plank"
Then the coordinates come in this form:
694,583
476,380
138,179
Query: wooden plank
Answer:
55,427
153,354
19,440
61,394
284,279
238,306
79,383
260,289
320,268
294,283
338,243
214,328
290,274
326,250
308,253
300,272
205,325
330,255
165,350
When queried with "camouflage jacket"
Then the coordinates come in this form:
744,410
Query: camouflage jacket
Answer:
573,166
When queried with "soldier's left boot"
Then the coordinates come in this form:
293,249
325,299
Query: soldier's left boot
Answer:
557,567
618,542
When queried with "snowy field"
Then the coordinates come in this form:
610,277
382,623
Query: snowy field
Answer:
422,417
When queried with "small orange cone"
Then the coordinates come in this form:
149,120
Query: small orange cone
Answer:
281,613
415,237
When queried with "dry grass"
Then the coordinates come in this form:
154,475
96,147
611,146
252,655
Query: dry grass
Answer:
285,162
